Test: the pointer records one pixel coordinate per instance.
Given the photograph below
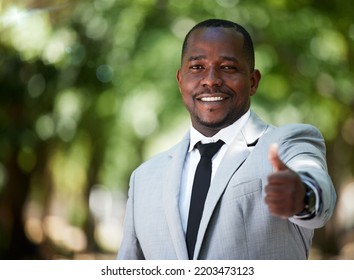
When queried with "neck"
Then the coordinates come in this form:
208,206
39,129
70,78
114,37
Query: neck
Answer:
208,131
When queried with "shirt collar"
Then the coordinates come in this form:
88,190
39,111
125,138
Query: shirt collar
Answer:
226,134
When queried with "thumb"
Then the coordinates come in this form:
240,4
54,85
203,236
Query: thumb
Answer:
274,159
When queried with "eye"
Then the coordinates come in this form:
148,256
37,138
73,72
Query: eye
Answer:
229,68
196,67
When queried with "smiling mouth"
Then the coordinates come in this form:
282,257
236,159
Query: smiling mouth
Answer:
212,98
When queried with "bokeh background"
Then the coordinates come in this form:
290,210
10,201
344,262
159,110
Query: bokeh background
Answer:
88,91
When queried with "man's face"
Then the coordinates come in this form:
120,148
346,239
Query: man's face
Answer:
215,80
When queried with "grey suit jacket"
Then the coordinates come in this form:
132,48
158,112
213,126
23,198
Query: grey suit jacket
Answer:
236,223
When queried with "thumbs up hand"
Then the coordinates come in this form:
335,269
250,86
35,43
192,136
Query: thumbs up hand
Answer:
274,159
285,192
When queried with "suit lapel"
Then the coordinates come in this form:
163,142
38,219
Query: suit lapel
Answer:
171,191
236,154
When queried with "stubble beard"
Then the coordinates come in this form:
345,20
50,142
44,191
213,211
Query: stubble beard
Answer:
216,125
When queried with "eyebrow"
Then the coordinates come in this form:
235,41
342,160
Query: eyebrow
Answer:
197,57
230,58
201,57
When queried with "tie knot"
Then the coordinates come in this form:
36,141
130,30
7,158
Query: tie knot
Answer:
210,149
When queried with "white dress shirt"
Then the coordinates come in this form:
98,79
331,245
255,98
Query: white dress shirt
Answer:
227,135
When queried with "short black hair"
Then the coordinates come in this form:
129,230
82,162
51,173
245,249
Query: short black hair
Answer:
247,44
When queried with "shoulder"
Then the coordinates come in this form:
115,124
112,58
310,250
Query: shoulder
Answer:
294,137
162,159
287,129
301,131
155,161
286,133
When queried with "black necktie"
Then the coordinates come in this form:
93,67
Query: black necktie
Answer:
200,189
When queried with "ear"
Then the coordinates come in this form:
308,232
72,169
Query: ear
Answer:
255,78
178,78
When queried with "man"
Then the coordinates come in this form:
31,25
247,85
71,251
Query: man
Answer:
269,186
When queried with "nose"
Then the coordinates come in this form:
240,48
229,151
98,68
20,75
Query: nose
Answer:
212,78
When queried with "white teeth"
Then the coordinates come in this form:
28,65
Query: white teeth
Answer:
210,99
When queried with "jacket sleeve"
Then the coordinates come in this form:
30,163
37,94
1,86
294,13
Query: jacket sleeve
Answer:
303,150
130,248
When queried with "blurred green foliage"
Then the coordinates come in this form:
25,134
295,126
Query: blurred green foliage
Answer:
88,91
